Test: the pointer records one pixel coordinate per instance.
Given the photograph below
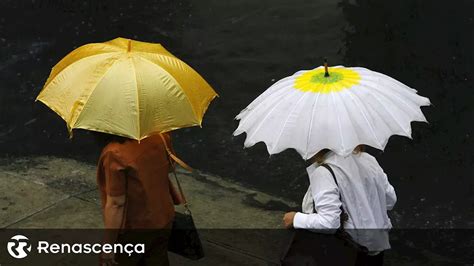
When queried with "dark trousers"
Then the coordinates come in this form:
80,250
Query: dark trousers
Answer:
366,260
316,249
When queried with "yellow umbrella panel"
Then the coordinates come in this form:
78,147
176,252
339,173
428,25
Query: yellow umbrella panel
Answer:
126,87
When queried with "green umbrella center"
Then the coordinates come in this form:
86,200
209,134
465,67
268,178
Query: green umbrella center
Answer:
321,79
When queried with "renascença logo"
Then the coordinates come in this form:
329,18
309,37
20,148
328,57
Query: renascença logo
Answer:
19,246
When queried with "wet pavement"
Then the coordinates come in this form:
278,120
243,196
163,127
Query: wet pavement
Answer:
241,48
52,192
55,193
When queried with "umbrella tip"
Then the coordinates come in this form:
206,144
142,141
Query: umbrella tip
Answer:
129,45
326,72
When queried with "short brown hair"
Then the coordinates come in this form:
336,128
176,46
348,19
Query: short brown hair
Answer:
320,156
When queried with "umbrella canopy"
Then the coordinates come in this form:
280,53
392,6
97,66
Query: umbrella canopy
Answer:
337,109
127,88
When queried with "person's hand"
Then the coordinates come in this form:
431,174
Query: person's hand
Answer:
107,259
288,219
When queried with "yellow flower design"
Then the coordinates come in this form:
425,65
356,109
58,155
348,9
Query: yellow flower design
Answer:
315,81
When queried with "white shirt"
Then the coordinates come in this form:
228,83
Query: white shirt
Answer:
366,196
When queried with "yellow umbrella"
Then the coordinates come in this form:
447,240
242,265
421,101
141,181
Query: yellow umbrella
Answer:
127,88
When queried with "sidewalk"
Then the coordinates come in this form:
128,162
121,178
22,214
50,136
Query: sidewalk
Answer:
50,192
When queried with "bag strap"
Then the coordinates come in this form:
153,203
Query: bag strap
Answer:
333,175
173,157
344,217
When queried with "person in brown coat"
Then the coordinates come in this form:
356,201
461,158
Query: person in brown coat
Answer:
136,193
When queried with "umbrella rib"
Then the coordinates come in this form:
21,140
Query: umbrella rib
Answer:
88,95
271,91
138,93
364,114
416,110
391,114
64,69
395,95
182,88
256,102
394,82
171,56
350,120
311,125
338,121
277,94
261,121
288,117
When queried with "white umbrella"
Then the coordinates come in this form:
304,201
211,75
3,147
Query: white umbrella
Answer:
336,108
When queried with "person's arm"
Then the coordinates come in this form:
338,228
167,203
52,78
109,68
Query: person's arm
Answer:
390,195
116,189
326,202
113,217
175,194
114,184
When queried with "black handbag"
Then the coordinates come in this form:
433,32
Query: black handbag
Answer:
184,239
310,248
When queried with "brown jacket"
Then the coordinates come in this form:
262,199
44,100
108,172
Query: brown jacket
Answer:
139,170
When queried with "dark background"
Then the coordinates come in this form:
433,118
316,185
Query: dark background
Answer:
241,48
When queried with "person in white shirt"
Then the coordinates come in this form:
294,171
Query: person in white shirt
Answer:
363,191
